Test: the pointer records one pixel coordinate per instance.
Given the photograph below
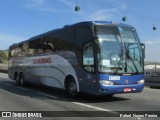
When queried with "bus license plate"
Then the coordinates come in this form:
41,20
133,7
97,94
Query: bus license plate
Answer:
127,90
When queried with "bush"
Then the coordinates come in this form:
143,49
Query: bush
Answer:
3,57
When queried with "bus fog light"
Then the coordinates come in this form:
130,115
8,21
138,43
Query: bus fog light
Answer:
140,81
106,82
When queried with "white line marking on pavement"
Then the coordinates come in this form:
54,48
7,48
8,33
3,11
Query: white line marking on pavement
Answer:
90,106
8,84
22,88
47,95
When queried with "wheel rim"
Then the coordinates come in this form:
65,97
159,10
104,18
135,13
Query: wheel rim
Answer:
21,80
17,80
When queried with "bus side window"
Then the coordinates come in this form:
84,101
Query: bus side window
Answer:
83,38
39,46
48,47
11,52
18,51
31,48
88,57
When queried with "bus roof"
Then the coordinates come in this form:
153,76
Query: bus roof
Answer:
102,23
89,23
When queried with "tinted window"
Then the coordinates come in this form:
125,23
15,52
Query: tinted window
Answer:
62,39
83,35
88,57
11,52
83,41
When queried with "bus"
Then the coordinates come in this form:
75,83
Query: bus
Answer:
152,75
93,57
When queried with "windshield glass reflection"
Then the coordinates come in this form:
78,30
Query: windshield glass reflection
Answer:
119,50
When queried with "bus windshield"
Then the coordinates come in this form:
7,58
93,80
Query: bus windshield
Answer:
119,50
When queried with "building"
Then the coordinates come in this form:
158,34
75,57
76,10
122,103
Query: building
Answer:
152,75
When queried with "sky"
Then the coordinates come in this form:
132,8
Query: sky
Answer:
23,19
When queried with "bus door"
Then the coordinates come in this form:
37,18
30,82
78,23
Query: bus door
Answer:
85,56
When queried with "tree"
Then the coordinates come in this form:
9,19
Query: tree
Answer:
3,57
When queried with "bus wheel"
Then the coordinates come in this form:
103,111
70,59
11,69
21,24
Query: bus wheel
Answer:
16,78
21,80
110,96
72,88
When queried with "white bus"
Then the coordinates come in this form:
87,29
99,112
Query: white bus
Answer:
99,58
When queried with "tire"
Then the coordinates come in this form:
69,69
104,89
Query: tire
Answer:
110,96
16,78
21,80
72,88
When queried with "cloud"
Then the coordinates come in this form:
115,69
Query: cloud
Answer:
148,42
6,37
55,6
68,3
6,40
151,51
35,3
89,10
53,10
103,14
152,42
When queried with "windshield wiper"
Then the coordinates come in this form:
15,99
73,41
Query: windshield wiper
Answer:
128,56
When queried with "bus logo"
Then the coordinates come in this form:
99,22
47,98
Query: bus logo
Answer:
42,61
126,82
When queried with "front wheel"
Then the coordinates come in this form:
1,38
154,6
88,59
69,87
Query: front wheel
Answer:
72,88
110,96
21,80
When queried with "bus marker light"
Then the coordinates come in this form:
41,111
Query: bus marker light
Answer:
106,82
140,81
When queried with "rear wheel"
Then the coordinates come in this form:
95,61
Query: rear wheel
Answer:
72,88
16,78
21,80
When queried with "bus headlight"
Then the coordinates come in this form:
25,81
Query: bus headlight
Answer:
106,82
140,81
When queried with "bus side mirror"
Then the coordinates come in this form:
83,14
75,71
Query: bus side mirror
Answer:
143,50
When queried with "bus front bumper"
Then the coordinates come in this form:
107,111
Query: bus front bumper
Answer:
119,89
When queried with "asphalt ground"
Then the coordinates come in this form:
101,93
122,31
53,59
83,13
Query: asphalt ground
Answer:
45,99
